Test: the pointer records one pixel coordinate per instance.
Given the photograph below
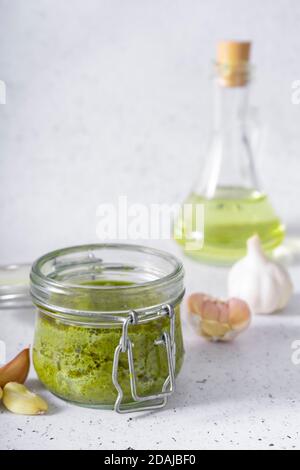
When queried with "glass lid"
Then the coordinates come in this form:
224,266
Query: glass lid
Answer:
14,286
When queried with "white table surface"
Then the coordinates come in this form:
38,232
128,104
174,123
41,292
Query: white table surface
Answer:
239,395
112,98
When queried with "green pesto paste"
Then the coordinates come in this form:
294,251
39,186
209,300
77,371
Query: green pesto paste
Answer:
75,362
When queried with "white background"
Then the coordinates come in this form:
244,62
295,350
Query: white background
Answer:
109,98
114,97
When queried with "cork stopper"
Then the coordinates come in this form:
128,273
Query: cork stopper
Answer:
233,62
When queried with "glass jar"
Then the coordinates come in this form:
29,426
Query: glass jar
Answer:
108,331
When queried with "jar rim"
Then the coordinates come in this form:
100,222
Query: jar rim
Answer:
73,298
37,274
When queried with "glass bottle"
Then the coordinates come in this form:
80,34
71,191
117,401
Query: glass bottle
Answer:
235,206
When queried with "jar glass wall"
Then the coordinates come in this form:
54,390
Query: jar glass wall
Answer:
84,296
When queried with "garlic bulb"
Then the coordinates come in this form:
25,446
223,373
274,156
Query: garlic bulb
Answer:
263,284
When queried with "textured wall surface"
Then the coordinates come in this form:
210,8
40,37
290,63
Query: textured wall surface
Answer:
113,97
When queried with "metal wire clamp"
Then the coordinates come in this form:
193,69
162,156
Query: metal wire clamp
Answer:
149,402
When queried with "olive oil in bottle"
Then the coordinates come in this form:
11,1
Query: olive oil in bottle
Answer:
230,218
234,206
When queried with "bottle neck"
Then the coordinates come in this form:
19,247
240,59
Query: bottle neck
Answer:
230,109
229,166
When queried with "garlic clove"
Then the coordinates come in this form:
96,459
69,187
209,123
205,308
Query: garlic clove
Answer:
239,314
264,284
255,249
217,320
16,370
224,311
195,302
18,399
281,277
214,330
210,309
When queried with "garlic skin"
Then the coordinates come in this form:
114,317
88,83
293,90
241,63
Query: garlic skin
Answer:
263,284
16,370
217,320
18,399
